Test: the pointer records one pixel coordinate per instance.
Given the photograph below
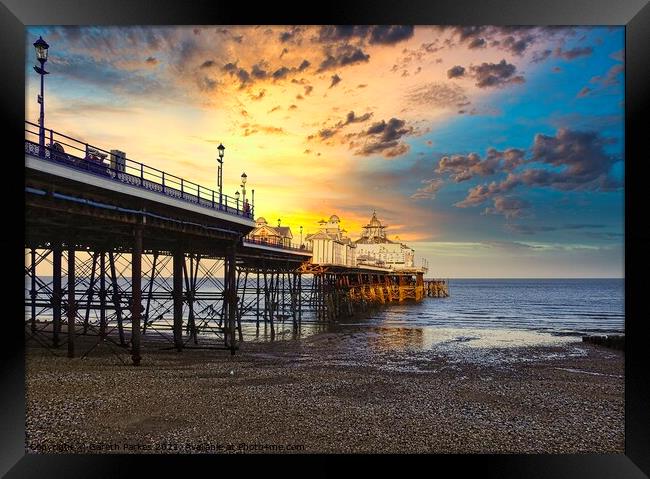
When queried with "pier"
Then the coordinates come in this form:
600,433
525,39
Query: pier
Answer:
116,249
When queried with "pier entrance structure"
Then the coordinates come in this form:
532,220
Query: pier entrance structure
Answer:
116,249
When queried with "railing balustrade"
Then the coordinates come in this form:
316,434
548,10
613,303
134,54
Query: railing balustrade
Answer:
293,246
82,156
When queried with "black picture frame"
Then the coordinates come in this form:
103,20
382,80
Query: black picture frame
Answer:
634,14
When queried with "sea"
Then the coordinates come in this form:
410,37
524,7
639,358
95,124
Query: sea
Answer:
478,313
560,306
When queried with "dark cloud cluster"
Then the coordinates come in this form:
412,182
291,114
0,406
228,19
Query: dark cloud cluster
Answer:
390,34
260,71
379,34
350,118
292,35
455,71
577,161
490,75
335,80
384,138
516,40
341,56
464,167
518,45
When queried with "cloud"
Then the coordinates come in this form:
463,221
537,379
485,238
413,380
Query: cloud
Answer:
208,64
378,34
611,77
573,53
455,72
517,46
430,190
343,55
390,34
439,95
584,92
335,80
508,206
259,72
257,128
351,117
579,162
281,72
477,43
464,167
384,137
515,40
488,75
541,55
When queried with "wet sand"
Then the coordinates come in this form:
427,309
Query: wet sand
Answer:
358,391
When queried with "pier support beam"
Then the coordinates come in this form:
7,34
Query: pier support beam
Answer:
71,301
136,299
102,295
56,293
178,261
32,291
231,297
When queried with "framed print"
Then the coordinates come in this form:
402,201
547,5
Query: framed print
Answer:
383,231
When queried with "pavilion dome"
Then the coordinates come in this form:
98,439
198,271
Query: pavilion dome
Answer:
261,221
374,221
334,219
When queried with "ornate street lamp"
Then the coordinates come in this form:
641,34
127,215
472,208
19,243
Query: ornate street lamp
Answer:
221,150
243,187
237,198
41,55
301,236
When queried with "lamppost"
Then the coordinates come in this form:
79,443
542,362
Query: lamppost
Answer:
41,55
237,198
301,236
221,150
243,187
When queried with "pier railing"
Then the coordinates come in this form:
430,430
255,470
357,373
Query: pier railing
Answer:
293,246
76,154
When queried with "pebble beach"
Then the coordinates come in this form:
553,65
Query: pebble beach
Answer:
331,392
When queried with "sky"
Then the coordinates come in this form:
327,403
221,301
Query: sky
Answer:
492,151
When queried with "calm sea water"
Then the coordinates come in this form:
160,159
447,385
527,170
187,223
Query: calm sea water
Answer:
550,305
557,306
